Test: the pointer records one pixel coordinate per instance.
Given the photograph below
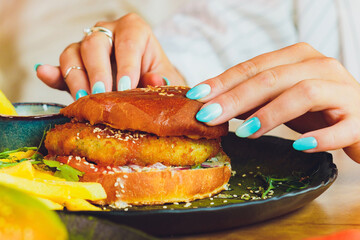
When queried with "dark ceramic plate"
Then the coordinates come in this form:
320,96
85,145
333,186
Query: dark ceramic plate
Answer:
269,155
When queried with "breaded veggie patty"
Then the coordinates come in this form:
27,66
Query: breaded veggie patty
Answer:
107,146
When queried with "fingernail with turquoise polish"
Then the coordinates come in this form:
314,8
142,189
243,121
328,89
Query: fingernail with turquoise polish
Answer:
199,91
36,66
248,127
166,81
98,87
81,93
209,112
124,83
303,144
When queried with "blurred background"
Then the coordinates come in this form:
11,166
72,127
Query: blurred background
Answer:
36,31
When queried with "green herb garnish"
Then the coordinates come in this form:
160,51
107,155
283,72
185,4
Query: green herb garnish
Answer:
196,166
63,170
288,184
6,154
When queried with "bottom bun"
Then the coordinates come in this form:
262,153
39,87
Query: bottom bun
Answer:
156,184
164,186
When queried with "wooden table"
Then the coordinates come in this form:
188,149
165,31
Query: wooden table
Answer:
336,209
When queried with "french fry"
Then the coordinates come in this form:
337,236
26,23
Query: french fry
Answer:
84,190
55,190
23,169
42,175
80,205
18,156
50,204
5,160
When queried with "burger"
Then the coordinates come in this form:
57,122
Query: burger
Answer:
143,145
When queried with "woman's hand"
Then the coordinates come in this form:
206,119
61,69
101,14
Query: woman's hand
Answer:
296,85
135,59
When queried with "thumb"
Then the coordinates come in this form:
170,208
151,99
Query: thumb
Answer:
51,76
152,79
353,152
163,75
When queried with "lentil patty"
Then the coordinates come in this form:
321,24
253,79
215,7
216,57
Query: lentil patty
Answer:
107,146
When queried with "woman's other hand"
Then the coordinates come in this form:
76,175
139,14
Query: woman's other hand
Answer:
296,85
134,59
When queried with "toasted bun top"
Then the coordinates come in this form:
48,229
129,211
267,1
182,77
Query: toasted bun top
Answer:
164,111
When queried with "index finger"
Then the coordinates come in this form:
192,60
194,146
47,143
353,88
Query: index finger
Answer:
95,52
213,87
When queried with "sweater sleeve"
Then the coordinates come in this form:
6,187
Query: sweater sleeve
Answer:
186,39
205,37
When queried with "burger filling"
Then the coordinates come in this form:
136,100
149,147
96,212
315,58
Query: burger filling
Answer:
105,146
83,165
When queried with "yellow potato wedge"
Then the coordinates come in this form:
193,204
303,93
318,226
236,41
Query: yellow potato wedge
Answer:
80,205
24,217
23,169
55,190
50,204
6,106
